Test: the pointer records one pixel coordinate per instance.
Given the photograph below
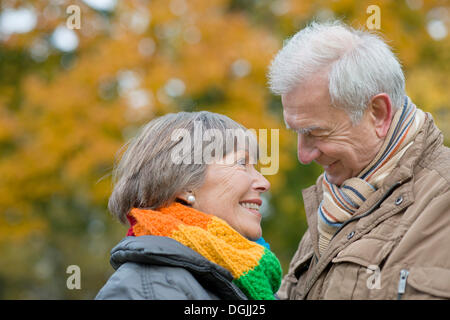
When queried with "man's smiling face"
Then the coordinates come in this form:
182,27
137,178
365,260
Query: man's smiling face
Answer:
326,134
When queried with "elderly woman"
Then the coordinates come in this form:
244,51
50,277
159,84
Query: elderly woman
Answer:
192,203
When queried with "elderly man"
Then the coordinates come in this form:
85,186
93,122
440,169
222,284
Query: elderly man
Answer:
379,215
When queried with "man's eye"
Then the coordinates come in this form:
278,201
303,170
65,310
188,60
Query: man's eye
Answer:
316,135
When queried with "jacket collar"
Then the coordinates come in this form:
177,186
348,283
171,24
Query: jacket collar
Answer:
164,251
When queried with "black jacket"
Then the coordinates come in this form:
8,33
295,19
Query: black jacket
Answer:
160,268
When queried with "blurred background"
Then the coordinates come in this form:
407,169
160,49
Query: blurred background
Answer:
72,92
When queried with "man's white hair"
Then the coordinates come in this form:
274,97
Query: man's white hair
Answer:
360,66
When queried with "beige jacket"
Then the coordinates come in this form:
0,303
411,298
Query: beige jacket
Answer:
397,246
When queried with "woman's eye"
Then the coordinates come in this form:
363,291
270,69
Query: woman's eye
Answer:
242,162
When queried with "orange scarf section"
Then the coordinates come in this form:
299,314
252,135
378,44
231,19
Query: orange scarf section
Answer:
206,234
255,269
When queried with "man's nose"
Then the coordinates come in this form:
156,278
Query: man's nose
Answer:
306,151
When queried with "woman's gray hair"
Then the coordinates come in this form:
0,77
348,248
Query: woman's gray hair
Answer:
360,64
151,173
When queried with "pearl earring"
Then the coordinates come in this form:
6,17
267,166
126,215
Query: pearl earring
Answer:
191,199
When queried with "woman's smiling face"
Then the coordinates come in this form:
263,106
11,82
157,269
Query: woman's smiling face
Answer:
232,191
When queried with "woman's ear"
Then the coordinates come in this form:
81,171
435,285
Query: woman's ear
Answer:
186,197
182,196
381,114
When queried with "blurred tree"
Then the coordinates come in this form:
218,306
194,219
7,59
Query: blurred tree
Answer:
69,99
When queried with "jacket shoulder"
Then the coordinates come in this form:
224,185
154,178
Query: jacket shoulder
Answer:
124,284
135,281
439,161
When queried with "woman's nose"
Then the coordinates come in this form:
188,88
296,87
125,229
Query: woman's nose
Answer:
306,151
261,183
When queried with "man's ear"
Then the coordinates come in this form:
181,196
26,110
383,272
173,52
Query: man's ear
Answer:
381,114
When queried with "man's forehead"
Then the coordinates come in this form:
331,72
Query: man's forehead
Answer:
308,93
307,112
304,121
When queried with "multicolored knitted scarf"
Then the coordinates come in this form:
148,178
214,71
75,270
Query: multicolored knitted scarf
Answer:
340,203
255,269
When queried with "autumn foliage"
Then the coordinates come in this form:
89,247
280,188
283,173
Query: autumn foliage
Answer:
64,115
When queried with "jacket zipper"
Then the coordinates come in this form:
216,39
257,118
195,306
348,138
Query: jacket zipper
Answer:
402,283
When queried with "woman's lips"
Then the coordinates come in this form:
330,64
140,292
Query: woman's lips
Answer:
252,206
253,211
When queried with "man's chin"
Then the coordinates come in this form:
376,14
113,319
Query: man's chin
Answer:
337,173
335,179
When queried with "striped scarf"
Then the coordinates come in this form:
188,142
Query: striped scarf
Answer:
340,203
255,269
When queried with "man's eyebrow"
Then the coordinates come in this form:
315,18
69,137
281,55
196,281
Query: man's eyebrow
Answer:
305,130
